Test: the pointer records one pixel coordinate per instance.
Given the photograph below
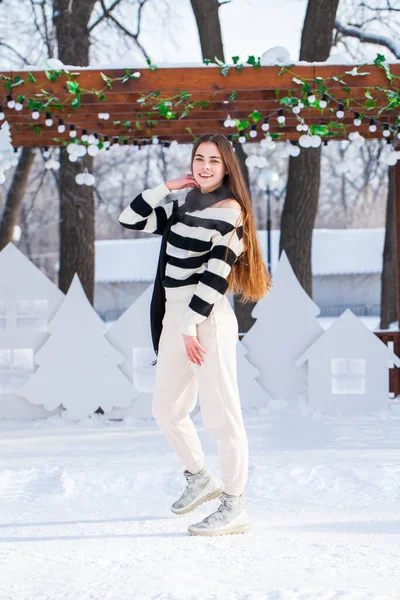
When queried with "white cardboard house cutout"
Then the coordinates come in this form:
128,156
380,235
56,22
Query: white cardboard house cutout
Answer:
348,368
286,326
78,367
131,335
28,301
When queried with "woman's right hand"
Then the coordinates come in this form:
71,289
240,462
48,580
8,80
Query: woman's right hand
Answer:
186,181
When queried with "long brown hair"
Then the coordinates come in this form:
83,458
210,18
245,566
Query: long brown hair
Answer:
249,275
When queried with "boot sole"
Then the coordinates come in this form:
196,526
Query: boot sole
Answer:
200,501
237,529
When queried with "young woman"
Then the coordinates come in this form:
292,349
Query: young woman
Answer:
210,247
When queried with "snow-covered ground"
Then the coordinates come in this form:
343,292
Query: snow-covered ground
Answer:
84,512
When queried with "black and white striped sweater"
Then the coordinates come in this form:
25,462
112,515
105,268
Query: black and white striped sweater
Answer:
197,261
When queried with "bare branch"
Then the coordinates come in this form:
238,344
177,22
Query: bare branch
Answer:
389,7
370,38
23,58
105,15
135,36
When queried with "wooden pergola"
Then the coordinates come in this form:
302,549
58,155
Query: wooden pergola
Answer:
182,104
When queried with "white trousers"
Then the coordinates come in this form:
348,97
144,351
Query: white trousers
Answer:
178,380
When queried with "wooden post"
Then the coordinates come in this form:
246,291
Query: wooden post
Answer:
397,212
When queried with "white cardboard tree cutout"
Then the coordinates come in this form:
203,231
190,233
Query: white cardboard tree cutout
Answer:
286,326
28,301
77,365
348,368
131,335
252,395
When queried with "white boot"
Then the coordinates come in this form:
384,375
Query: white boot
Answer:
200,488
230,517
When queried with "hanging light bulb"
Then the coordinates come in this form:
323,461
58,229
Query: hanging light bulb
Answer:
372,127
72,131
61,126
84,136
296,109
386,130
49,120
281,117
155,141
340,111
93,150
323,103
2,115
19,105
46,152
265,124
305,141
398,132
357,120
242,139
107,142
96,138
311,98
35,115
10,101
253,132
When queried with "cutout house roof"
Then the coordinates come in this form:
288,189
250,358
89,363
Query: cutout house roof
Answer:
348,337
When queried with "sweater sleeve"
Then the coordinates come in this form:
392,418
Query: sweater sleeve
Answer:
213,284
143,215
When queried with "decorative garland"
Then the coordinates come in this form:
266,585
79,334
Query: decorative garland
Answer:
307,93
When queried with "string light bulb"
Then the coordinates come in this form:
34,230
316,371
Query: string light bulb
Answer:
265,124
386,130
61,126
311,98
72,131
242,139
357,120
10,101
19,105
323,103
84,136
253,132
372,127
340,111
2,115
49,121
35,115
281,117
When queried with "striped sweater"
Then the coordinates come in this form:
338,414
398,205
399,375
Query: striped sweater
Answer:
197,260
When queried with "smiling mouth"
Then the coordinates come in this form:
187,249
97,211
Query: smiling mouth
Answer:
205,176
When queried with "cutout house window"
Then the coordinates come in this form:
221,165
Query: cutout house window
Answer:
143,372
32,315
16,367
348,375
3,319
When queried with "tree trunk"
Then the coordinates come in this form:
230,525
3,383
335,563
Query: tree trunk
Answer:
389,272
77,206
15,196
208,25
302,194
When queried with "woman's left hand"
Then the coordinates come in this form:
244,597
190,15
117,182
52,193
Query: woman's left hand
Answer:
193,349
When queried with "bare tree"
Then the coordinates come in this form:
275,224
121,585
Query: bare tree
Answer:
301,203
15,194
386,15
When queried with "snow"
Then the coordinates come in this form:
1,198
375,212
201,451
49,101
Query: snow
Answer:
334,252
85,511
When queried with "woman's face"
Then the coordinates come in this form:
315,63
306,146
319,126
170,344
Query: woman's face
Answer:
208,167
